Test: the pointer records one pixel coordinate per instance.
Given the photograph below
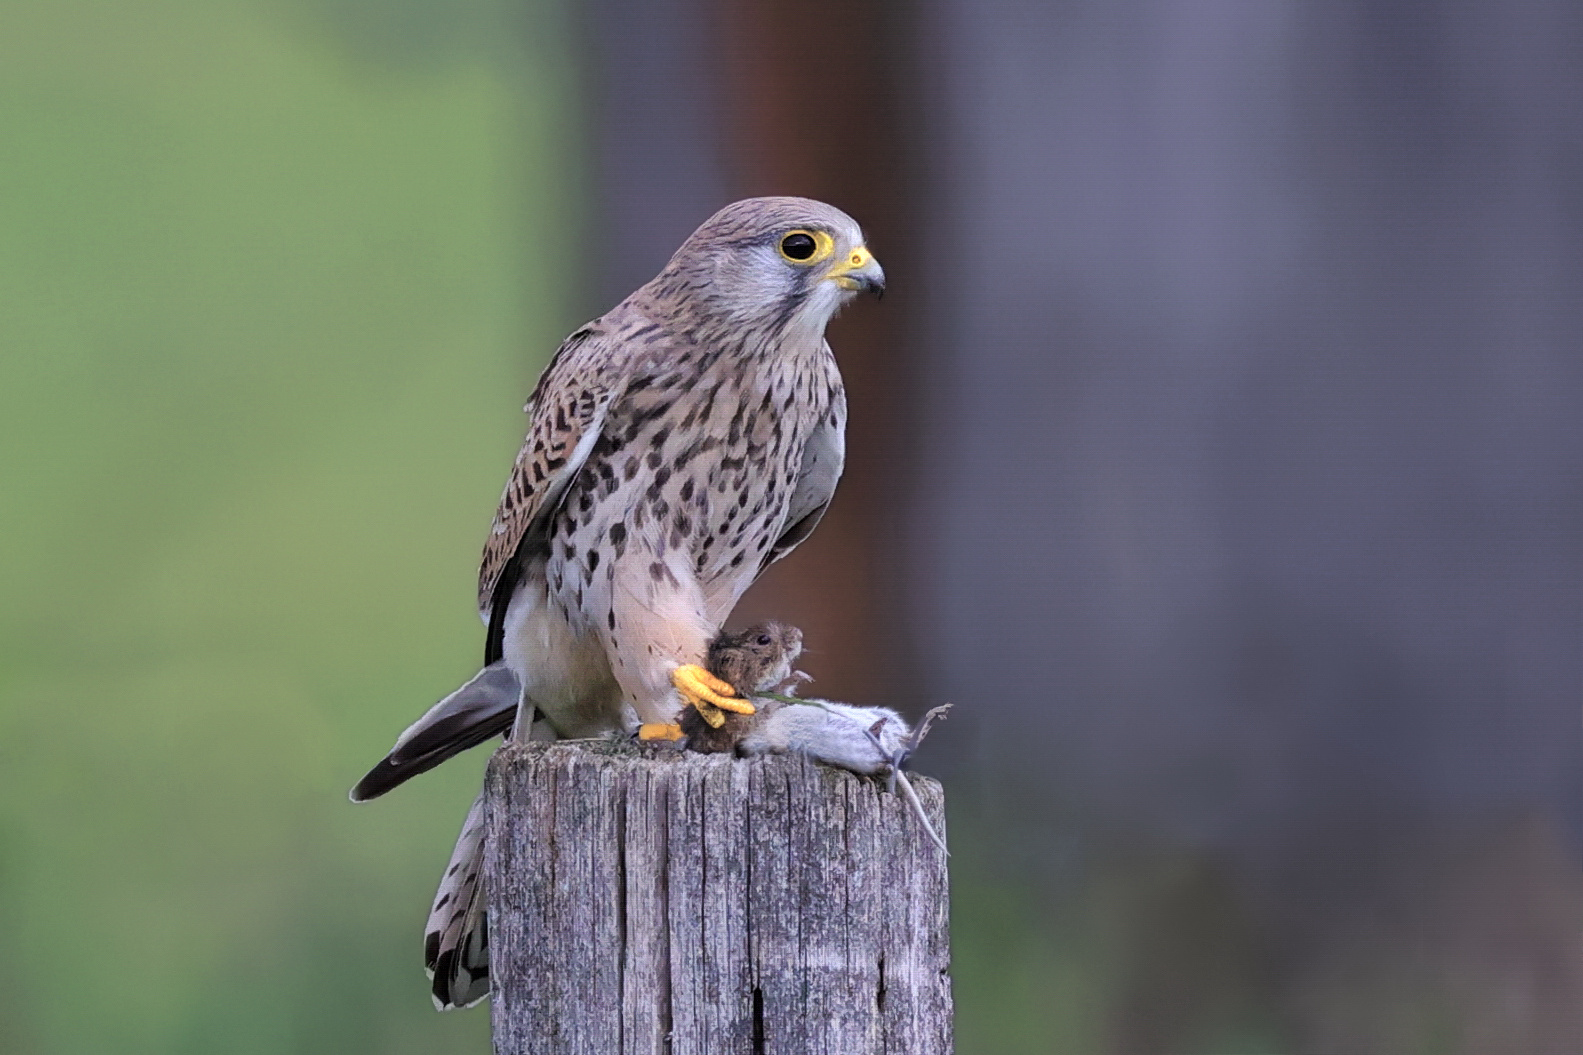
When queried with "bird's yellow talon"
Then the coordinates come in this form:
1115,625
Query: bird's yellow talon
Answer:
701,688
660,731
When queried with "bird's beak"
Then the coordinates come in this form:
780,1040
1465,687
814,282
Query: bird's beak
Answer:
858,272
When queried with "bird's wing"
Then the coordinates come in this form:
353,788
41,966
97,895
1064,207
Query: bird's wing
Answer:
823,458
567,412
483,708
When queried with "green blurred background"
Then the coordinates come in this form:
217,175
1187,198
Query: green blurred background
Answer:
268,324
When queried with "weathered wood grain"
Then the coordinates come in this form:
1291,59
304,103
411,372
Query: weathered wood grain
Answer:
654,903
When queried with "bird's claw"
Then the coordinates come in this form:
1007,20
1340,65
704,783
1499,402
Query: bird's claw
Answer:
708,694
653,731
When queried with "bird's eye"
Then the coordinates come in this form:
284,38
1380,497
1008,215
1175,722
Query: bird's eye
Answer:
765,640
799,245
806,247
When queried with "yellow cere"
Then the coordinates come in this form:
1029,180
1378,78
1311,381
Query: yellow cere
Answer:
859,258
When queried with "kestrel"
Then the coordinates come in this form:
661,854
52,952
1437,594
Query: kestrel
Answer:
677,446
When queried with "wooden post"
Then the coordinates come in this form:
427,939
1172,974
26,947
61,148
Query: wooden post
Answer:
654,902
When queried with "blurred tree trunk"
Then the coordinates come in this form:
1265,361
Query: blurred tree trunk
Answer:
813,91
695,103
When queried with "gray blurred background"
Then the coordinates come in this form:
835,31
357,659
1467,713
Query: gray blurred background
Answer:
1216,450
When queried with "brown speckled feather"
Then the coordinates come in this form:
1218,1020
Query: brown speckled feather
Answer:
566,411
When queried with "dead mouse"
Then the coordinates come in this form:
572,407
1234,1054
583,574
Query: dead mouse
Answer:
873,740
869,740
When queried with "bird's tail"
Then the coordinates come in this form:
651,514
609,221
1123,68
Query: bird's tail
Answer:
456,941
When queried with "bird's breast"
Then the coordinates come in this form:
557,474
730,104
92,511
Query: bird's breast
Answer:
698,476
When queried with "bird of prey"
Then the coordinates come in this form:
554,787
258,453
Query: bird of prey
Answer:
677,446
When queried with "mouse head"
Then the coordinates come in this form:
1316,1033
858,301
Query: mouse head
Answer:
759,657
773,640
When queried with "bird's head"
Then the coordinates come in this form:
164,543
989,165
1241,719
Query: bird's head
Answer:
777,262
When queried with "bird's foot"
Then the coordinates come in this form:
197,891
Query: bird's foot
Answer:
652,731
708,695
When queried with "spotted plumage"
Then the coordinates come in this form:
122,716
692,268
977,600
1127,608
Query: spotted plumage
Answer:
676,446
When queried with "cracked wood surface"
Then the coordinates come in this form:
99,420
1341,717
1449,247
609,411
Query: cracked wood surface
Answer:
648,901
